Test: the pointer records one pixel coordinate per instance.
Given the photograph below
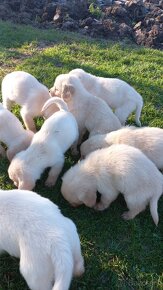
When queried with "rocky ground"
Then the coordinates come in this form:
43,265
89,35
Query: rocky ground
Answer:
139,20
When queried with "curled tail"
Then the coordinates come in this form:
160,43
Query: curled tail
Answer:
153,209
138,110
55,100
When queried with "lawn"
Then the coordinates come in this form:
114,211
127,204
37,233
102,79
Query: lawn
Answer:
118,254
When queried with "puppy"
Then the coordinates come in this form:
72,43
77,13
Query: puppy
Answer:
148,139
25,90
47,149
119,168
33,229
13,134
91,112
119,95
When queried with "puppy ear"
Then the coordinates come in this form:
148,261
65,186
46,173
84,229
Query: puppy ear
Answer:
89,198
67,92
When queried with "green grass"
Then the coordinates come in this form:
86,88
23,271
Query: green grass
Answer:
118,254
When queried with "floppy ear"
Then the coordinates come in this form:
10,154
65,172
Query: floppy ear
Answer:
67,92
89,198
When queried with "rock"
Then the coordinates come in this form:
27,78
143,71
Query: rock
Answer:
136,9
58,17
119,11
111,28
70,25
125,31
49,12
86,22
141,20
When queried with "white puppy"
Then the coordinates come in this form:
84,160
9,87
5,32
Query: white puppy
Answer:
25,90
47,149
148,139
12,133
91,112
118,94
33,229
119,168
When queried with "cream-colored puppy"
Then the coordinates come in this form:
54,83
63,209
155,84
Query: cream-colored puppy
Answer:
119,95
148,139
25,90
33,229
47,149
91,112
119,168
12,133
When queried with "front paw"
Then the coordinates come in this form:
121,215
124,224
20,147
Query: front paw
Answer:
126,215
99,206
49,183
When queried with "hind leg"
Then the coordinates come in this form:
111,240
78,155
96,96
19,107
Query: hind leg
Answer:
124,111
54,172
28,120
135,206
35,270
78,260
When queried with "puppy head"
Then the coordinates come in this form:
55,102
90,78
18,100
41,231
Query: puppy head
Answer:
20,174
78,187
57,87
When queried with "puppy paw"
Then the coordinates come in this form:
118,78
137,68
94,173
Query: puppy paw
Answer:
49,183
99,206
126,215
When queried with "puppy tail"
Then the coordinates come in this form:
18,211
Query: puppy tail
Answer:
138,110
63,268
55,100
153,209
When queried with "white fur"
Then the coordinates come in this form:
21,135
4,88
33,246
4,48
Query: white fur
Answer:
118,94
24,89
12,133
47,149
148,139
119,168
91,112
33,229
